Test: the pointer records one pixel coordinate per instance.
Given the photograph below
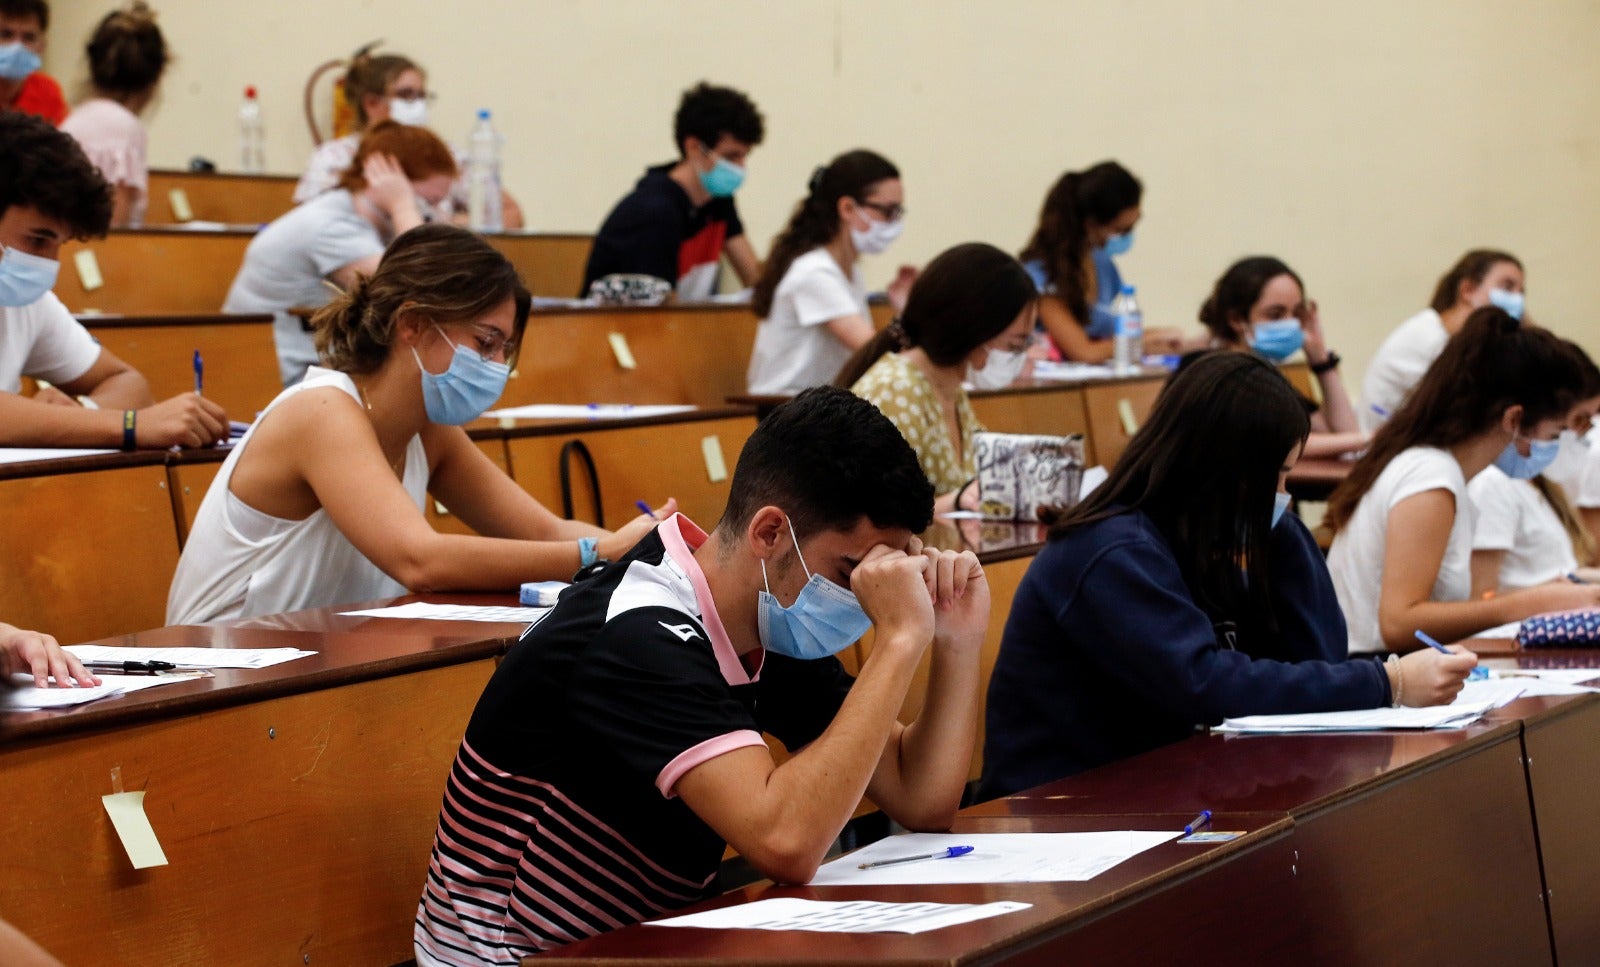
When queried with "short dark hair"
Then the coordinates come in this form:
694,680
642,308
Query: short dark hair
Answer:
37,9
829,458
127,53
1238,291
708,112
40,167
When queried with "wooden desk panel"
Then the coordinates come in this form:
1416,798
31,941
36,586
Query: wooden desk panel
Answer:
685,354
156,270
233,199
241,363
650,462
1563,765
550,264
1103,404
314,812
89,553
1058,412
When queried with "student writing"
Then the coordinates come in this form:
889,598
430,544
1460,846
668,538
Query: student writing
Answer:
1402,519
322,501
1180,592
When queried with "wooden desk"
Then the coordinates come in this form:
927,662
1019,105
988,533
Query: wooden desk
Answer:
90,544
1055,409
306,794
233,199
1316,479
550,263
647,459
156,270
241,364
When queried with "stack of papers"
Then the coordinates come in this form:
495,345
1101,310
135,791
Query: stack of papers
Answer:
30,697
453,612
192,657
588,411
995,858
1065,370
841,916
1452,716
30,454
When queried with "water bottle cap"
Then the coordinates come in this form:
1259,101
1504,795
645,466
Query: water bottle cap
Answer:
483,114
1127,290
250,92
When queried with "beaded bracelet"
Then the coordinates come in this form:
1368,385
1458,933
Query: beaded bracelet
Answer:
1399,679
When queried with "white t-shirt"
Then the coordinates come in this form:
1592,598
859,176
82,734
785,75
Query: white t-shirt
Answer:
1587,494
1577,470
241,563
42,340
116,142
794,349
1512,516
328,161
1398,366
286,262
1355,562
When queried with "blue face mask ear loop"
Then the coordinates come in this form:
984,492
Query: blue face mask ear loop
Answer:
788,520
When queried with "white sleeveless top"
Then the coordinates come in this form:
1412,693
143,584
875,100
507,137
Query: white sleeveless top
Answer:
240,563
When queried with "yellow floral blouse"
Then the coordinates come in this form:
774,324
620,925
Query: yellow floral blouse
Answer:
904,395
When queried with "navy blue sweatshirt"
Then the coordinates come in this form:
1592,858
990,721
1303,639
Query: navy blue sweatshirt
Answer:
1107,655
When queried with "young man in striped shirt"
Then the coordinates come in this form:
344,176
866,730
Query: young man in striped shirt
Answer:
618,748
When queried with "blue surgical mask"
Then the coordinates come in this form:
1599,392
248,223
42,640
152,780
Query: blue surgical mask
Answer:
723,179
824,620
1118,244
461,393
25,278
17,62
1280,503
1511,302
1541,453
1277,340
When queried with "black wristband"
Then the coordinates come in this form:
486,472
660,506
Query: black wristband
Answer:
1327,365
130,439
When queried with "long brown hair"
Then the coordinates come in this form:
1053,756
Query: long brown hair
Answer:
964,298
126,52
444,273
816,219
1492,364
419,151
1061,240
1471,267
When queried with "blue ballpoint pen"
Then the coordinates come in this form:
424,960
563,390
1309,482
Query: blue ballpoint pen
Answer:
644,508
1427,639
942,854
199,373
1202,820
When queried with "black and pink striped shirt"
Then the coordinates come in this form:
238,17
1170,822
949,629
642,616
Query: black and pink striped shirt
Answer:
560,819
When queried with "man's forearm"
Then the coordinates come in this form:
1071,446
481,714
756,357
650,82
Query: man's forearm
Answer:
127,390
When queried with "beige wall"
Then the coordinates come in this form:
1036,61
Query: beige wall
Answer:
1366,142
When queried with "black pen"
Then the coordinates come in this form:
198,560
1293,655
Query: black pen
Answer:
130,667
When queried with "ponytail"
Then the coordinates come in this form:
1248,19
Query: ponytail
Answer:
815,221
127,53
890,339
1061,240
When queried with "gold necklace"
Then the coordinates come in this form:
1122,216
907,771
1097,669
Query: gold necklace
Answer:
396,465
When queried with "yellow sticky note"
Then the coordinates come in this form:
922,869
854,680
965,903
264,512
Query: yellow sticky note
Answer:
88,270
440,509
126,810
619,348
1130,423
716,466
179,200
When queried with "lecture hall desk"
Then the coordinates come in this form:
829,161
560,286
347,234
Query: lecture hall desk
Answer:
241,365
296,804
228,197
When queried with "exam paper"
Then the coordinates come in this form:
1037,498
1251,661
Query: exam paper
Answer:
592,411
1453,716
30,454
1555,676
192,657
29,697
995,858
1066,370
454,612
841,916
1508,630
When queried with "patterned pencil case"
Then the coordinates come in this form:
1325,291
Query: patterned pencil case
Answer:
1561,629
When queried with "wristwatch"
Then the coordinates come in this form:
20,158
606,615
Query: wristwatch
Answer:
1327,365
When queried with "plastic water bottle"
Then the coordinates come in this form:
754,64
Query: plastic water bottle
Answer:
483,176
252,154
1127,347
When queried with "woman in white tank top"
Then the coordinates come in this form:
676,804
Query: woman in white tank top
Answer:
321,503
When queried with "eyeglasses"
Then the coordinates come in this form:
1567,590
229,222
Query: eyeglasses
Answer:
412,94
890,213
490,342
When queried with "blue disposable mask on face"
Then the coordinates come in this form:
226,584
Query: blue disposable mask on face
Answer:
1512,302
25,278
1277,340
1280,503
461,393
1118,244
723,179
824,620
1541,453
17,62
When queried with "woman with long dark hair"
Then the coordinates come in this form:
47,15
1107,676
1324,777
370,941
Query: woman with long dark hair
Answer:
810,298
969,319
1179,593
1259,305
1498,394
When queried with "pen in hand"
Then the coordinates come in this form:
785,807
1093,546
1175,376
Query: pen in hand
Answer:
1428,640
199,374
942,854
130,667
644,508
